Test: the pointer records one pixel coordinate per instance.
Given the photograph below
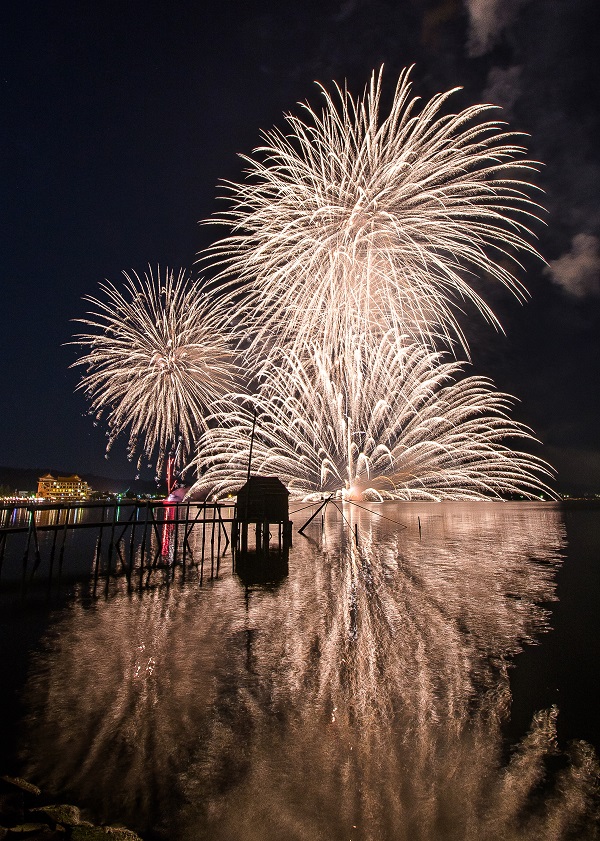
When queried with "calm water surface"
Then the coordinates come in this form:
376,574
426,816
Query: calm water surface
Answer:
411,687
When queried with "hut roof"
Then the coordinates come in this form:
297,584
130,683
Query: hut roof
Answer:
264,485
263,498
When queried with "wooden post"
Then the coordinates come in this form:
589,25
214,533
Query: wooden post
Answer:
53,549
185,534
218,541
234,542
203,529
222,526
97,563
36,548
143,546
212,544
61,554
112,537
176,537
26,554
132,545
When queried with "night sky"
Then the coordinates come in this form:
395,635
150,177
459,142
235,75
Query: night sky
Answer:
119,119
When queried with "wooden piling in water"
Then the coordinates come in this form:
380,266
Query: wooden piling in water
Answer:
61,553
143,546
53,549
132,545
176,536
97,561
111,540
185,535
26,554
218,543
212,545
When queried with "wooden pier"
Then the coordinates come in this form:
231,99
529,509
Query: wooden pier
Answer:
133,538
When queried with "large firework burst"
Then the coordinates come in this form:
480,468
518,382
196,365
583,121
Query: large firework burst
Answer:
156,360
355,221
391,422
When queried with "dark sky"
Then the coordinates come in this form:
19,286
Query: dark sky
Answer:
118,120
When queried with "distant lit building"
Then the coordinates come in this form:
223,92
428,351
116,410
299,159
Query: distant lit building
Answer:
63,487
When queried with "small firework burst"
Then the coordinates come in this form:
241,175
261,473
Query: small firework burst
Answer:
155,361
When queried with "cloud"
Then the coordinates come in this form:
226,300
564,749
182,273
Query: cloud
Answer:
578,271
346,10
503,88
487,19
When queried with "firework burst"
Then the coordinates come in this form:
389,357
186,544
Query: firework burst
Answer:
353,244
355,221
391,422
155,361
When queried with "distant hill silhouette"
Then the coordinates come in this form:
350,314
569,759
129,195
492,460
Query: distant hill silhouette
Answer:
26,479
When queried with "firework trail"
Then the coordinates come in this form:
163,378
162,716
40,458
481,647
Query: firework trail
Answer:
392,422
353,221
156,359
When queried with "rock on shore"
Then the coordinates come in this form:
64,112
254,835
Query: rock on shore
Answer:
22,817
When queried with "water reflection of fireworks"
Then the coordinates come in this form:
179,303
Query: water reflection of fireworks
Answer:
368,690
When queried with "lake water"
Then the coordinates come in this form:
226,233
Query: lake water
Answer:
424,685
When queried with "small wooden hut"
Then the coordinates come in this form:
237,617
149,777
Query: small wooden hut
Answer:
263,501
